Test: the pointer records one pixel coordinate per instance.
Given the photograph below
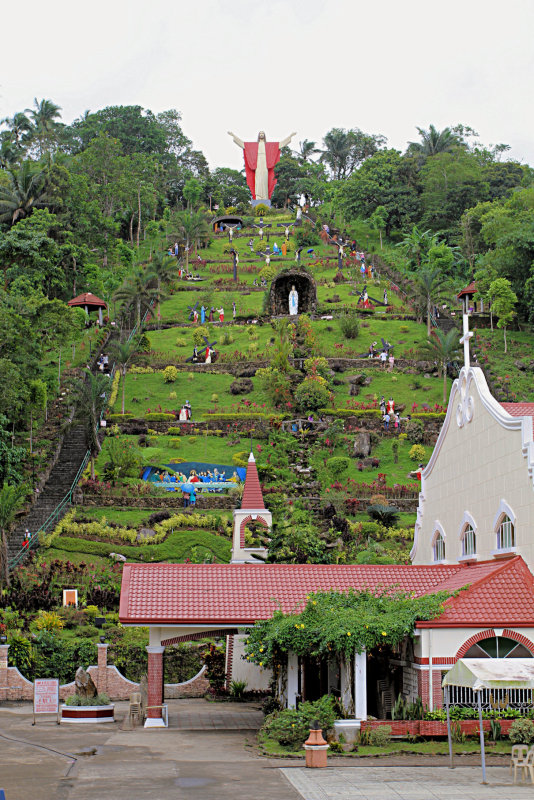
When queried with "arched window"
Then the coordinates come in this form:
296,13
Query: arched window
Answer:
439,547
505,533
498,647
469,541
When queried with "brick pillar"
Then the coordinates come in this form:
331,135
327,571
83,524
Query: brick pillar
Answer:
437,691
422,686
4,674
102,674
155,679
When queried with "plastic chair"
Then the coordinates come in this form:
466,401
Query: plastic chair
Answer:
518,758
527,766
135,709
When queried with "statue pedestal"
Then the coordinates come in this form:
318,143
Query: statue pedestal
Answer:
255,203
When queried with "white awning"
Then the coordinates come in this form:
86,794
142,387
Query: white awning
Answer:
491,673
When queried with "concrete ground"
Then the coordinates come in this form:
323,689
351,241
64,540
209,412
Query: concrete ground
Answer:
208,753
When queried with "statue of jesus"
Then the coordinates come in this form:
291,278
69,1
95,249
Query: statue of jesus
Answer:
260,160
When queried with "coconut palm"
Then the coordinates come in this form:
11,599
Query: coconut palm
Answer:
306,150
443,348
192,228
417,243
19,127
161,269
27,190
138,292
336,154
122,354
430,288
44,115
434,141
12,498
90,397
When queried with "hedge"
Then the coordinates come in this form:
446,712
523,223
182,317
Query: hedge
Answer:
156,416
119,417
223,417
350,412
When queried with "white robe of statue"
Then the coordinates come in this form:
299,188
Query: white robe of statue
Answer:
293,302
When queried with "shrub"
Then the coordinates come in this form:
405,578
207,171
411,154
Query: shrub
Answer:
380,737
98,700
180,341
337,466
386,515
522,731
157,416
172,395
92,612
269,272
349,325
118,417
170,374
198,335
48,621
215,398
317,366
240,459
286,727
237,689
414,431
417,452
261,210
241,386
313,393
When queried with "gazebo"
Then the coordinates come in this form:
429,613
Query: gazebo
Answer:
466,296
479,674
89,302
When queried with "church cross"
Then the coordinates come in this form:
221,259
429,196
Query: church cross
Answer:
465,340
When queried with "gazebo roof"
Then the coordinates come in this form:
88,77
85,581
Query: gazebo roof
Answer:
241,594
469,290
87,299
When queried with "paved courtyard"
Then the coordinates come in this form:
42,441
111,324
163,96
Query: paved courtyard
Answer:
405,783
208,754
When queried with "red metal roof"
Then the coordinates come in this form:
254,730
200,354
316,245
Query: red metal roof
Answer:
252,494
520,410
240,594
471,289
87,299
501,596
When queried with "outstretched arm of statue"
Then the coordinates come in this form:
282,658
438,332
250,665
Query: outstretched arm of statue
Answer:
287,139
239,142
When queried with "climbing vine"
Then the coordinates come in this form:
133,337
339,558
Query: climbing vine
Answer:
340,623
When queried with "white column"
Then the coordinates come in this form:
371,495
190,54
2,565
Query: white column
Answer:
292,679
360,685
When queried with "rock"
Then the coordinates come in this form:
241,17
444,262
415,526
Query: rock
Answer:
358,380
145,533
367,381
241,386
85,686
520,366
354,390
117,557
423,366
362,444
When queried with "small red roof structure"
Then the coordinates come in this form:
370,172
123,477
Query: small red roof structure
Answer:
87,299
501,592
252,494
520,410
469,290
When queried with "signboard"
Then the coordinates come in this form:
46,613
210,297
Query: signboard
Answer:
70,597
45,696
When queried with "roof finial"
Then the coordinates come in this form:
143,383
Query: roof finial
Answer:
465,340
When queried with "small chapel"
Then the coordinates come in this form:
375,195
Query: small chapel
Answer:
474,531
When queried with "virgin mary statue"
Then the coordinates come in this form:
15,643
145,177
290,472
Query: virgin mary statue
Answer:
261,158
293,302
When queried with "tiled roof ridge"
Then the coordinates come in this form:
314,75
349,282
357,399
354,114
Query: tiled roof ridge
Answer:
491,574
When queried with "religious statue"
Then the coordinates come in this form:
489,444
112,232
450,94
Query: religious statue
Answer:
293,302
260,160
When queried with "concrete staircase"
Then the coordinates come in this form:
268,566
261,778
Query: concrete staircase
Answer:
72,452
446,324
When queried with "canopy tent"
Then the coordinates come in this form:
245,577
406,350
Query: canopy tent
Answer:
487,673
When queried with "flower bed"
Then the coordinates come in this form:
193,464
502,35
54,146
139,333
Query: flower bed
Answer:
88,714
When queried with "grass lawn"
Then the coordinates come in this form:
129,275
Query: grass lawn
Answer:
396,472
134,517
211,449
179,545
176,307
515,384
405,389
150,391
431,747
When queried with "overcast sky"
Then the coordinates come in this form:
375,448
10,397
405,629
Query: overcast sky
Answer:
280,66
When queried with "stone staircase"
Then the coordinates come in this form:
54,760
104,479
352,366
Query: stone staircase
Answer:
63,473
446,323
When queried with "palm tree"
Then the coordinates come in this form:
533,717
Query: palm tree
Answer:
443,348
430,288
122,353
44,116
434,141
417,243
12,498
161,270
90,397
192,228
306,150
26,191
19,126
337,145
137,291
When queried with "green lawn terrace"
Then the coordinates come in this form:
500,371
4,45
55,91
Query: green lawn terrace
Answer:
510,374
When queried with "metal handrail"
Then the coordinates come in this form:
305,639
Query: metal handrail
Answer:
67,499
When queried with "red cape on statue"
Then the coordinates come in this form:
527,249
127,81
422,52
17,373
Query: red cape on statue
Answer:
272,155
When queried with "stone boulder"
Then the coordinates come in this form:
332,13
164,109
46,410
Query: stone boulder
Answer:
362,445
85,686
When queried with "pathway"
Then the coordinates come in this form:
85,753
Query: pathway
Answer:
405,783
